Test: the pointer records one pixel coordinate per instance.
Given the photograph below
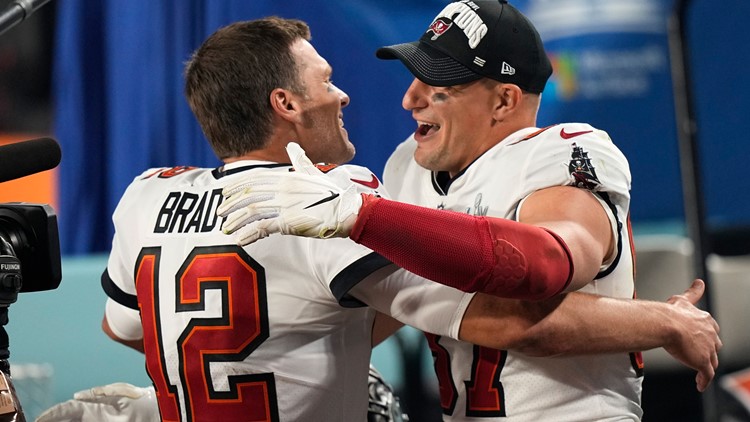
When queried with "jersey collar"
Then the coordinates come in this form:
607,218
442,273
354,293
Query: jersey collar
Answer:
240,166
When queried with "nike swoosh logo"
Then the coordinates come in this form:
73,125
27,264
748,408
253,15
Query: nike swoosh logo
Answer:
372,184
566,135
324,200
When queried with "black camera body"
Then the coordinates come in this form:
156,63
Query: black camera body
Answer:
31,231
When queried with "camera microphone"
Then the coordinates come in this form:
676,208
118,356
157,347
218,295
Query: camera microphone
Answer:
17,11
28,157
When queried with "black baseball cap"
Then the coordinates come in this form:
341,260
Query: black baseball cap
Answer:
472,39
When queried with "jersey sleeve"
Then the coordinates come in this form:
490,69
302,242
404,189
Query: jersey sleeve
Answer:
341,263
123,321
117,280
577,154
415,301
121,309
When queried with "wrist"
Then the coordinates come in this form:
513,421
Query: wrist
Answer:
365,210
664,330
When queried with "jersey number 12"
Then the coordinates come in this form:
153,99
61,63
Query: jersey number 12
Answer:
230,337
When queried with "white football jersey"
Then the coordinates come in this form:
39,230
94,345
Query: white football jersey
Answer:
265,332
478,383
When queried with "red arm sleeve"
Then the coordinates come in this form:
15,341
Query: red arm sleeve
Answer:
474,254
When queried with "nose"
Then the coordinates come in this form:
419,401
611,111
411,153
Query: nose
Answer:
343,96
414,96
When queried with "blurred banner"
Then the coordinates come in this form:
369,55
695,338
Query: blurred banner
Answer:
612,69
611,62
120,109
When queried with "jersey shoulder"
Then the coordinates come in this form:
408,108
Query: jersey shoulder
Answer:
363,178
571,132
164,177
152,185
575,154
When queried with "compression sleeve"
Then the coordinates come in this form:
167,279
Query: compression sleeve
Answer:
475,254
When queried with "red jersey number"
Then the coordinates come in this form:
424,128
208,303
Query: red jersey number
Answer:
232,336
484,391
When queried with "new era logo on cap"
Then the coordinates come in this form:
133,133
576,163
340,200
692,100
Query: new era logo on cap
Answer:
507,69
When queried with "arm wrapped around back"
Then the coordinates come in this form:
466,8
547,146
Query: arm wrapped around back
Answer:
474,254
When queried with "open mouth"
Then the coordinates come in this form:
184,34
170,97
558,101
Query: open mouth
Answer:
426,129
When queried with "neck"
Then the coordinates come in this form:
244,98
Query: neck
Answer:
274,151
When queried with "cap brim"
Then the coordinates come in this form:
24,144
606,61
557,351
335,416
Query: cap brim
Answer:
428,64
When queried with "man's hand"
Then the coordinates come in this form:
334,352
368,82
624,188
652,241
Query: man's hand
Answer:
698,343
305,202
118,402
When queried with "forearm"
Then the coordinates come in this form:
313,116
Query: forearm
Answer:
383,327
474,254
571,324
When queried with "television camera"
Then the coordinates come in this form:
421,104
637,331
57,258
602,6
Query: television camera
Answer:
29,250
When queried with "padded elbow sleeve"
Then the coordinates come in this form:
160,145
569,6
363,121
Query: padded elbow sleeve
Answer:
474,254
530,262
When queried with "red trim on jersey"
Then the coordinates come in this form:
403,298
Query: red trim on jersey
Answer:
474,254
632,249
532,135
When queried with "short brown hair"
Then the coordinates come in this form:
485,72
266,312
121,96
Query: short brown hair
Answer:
229,79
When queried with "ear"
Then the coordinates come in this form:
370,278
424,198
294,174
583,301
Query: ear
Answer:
285,105
508,100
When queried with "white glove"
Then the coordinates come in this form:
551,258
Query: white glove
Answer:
118,402
305,202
